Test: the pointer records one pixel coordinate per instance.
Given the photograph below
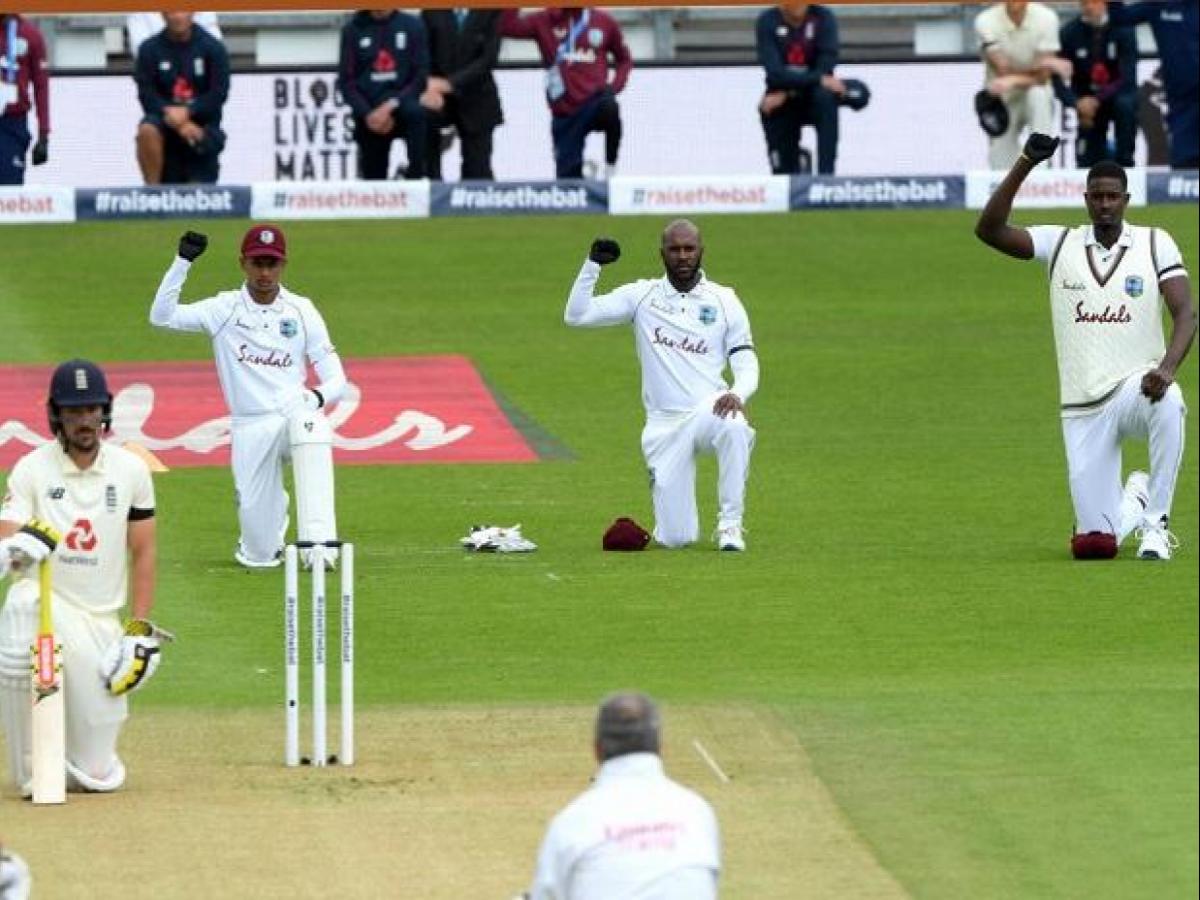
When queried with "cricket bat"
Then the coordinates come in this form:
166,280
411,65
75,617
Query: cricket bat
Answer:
49,713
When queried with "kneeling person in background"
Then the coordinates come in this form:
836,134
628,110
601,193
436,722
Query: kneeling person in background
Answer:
687,329
100,498
182,75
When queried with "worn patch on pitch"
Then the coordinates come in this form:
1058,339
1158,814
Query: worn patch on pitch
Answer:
417,409
443,802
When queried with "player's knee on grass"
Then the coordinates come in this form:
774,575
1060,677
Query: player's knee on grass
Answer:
1094,545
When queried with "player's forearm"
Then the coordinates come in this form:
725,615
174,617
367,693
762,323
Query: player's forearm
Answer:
744,365
1183,332
142,576
166,300
580,311
993,220
333,379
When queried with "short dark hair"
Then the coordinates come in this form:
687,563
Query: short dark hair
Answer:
627,723
1106,168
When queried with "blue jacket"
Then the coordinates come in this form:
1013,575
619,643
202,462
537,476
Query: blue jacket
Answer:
382,59
1105,60
796,58
192,73
1176,27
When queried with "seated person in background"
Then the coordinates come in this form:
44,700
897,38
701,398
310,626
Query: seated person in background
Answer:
798,47
1103,87
461,92
382,69
576,45
1019,43
182,75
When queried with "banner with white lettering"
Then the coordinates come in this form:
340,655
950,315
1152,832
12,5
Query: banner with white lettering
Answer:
1173,187
191,201
487,198
905,192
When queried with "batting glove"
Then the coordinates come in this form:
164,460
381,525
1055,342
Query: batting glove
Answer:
605,251
130,662
192,245
41,151
33,543
1040,147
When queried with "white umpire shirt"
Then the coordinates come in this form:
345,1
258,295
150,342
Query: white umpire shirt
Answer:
634,833
92,509
259,348
683,339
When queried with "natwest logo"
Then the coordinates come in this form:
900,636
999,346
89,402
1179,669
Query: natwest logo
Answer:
81,536
394,410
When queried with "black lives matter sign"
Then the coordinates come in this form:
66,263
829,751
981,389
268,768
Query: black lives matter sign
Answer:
314,130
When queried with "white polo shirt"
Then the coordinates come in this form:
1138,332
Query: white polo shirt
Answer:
91,508
1023,44
1106,306
683,339
634,833
260,349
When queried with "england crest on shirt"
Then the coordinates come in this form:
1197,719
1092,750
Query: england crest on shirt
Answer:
1134,285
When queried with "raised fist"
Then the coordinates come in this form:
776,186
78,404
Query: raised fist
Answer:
1040,147
605,251
192,244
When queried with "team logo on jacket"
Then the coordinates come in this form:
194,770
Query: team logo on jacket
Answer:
707,314
110,498
288,328
595,36
1133,286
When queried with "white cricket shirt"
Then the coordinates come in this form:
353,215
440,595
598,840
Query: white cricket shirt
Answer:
259,349
634,833
1106,306
1022,44
683,339
91,509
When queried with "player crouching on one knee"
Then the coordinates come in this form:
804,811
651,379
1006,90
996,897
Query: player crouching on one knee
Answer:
100,499
1109,281
686,329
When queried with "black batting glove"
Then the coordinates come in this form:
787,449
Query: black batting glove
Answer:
41,151
605,251
1040,147
192,244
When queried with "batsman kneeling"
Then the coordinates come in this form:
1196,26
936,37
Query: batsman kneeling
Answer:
77,533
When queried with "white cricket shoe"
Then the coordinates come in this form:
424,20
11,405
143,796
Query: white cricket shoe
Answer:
1156,541
731,537
246,562
1134,500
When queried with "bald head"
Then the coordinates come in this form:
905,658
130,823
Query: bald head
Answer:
681,229
627,723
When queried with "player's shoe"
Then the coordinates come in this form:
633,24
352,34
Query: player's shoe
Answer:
731,537
1134,500
246,562
1156,541
330,554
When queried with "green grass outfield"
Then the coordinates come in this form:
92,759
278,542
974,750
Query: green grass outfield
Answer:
994,720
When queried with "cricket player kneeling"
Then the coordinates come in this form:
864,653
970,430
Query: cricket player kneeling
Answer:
310,440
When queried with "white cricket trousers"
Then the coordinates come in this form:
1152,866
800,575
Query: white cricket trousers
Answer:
1093,445
93,716
259,448
1033,107
670,446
